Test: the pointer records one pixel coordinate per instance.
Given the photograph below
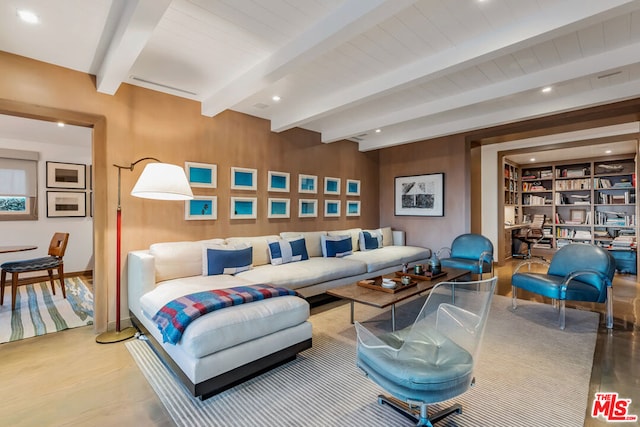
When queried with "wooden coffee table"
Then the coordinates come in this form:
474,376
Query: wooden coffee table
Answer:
380,299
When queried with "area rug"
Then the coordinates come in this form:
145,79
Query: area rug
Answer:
39,312
530,373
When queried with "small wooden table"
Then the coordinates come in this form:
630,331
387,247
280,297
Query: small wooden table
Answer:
7,249
375,298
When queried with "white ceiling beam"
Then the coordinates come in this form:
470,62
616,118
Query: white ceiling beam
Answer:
609,60
592,98
550,23
351,18
138,20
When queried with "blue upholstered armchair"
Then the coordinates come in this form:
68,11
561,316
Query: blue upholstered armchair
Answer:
433,360
577,272
472,252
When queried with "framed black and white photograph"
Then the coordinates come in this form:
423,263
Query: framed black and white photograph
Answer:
244,179
71,176
331,185
332,208
201,207
307,184
353,187
278,208
307,208
353,207
278,181
63,204
243,207
201,175
420,195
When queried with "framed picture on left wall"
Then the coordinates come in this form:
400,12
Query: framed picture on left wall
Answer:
63,204
71,176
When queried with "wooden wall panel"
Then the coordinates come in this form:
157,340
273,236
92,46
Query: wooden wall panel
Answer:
449,155
137,122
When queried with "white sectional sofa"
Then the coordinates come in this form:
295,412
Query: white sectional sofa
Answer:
225,347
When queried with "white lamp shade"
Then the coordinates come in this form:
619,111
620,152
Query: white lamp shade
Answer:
162,181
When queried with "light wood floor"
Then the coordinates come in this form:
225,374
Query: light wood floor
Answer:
68,379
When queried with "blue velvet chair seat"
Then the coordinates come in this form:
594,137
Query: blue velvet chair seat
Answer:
473,252
444,373
43,263
550,287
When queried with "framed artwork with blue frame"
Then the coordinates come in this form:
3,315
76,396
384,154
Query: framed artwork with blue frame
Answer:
332,208
331,185
307,208
307,184
244,179
243,207
201,175
353,207
201,207
278,208
278,181
353,187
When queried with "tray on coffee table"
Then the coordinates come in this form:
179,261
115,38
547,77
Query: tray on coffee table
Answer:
376,285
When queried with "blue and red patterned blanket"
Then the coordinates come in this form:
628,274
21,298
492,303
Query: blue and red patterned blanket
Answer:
175,316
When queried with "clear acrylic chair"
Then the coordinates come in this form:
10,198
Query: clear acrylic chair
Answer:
433,360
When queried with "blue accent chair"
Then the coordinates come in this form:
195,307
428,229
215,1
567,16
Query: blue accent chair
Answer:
472,252
433,360
577,272
57,248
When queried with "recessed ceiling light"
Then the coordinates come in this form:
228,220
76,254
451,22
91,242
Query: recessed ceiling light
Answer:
378,130
275,98
546,89
608,151
533,159
60,124
28,16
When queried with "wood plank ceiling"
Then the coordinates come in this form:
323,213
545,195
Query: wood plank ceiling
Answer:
415,69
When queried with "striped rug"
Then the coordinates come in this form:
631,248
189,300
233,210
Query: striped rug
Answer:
39,312
530,374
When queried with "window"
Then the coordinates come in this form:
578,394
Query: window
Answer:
18,185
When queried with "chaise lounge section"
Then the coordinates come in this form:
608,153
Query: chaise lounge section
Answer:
223,348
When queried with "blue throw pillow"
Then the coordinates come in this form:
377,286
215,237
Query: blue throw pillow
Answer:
226,259
370,240
283,251
336,246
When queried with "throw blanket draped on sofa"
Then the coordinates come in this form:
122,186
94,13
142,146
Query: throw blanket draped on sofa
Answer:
175,316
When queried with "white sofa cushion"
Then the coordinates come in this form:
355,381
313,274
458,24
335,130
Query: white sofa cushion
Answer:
389,256
297,275
232,325
259,244
353,232
387,236
311,238
179,259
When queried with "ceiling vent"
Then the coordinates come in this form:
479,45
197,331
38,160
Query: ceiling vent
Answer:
149,82
604,76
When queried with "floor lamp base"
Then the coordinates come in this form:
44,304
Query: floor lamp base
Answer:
110,337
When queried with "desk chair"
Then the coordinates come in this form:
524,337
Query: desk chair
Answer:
57,247
533,234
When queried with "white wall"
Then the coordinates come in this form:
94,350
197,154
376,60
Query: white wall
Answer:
79,255
490,169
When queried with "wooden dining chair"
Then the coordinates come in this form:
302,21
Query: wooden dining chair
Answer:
57,248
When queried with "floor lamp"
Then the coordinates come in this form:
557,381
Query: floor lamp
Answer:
160,181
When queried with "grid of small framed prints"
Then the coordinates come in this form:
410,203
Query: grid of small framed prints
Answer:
243,203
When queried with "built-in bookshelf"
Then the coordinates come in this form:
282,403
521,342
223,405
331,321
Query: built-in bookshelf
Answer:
591,201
